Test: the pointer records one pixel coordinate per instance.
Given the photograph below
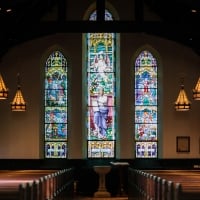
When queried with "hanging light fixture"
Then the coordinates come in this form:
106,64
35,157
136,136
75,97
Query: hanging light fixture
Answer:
196,91
3,89
18,103
182,103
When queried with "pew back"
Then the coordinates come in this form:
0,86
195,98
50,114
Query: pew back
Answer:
35,184
165,184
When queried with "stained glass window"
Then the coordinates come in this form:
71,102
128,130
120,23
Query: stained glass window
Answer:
101,92
146,121
56,106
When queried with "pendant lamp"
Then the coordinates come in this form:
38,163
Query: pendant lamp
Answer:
182,103
196,91
18,103
3,89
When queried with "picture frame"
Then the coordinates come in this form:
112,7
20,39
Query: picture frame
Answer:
183,144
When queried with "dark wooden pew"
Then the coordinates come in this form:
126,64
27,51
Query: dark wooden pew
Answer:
35,184
165,184
186,182
16,184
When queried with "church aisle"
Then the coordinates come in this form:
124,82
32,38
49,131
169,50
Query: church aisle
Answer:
82,197
101,198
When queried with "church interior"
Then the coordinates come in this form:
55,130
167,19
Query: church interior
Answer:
32,35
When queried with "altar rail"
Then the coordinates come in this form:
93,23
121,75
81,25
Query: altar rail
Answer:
164,184
36,184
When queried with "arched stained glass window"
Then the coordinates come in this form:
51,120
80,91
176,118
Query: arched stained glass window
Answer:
56,106
101,92
146,122
108,16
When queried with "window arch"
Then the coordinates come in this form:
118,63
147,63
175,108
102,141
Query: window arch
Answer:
56,106
101,87
146,105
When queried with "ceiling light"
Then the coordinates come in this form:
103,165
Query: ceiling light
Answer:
3,89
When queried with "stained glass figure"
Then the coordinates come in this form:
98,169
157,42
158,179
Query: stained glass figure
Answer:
146,97
101,92
56,106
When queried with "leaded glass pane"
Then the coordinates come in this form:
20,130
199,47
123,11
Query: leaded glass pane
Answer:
146,96
146,114
97,80
146,122
101,92
145,132
56,115
101,149
146,149
55,106
108,16
56,131
106,133
55,150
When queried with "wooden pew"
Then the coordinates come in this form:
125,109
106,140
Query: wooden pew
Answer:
169,184
17,183
186,183
35,184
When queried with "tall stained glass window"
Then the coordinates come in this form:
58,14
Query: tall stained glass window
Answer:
101,92
146,122
56,106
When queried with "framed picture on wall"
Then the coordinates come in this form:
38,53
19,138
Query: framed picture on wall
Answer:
183,144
